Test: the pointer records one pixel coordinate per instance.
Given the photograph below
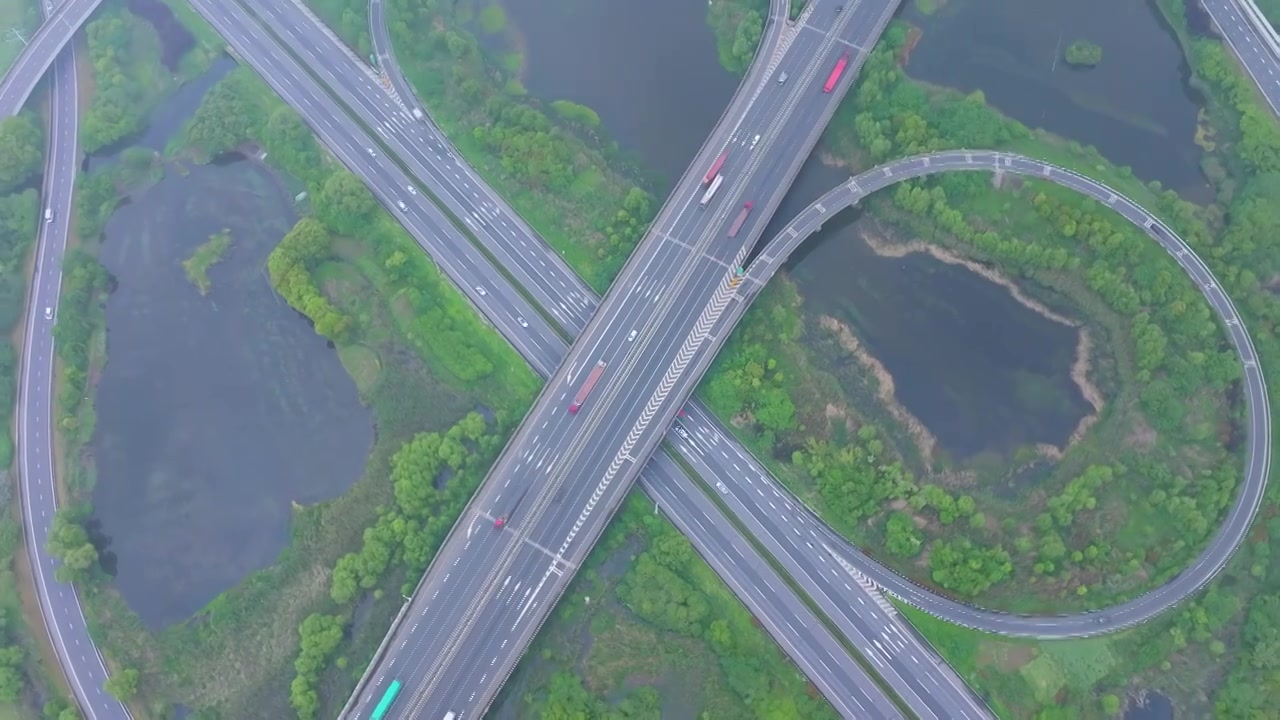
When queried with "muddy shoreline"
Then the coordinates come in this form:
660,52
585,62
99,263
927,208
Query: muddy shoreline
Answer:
924,439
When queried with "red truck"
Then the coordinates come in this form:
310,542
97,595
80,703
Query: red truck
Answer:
742,217
585,390
715,168
834,77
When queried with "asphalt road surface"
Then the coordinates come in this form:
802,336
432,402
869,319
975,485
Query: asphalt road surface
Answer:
1252,40
39,52
59,604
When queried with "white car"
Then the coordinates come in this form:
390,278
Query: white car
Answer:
682,432
632,336
523,324
401,204
481,290
412,190
48,313
371,152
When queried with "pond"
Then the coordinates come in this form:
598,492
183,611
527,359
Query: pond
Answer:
1135,106
217,412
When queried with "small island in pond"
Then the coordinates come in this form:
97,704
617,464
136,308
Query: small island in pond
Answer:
205,256
1083,53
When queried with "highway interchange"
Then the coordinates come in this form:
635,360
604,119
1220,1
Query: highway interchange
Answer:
478,267
893,636
474,622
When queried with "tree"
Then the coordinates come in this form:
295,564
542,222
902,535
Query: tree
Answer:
21,143
345,204
11,679
122,685
69,542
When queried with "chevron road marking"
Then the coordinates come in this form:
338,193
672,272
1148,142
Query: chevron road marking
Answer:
872,589
707,320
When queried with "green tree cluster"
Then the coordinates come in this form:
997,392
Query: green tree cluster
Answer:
21,144
662,589
567,699
411,531
69,542
118,42
85,283
738,26
122,685
320,636
854,480
580,115
226,117
11,677
289,265
18,217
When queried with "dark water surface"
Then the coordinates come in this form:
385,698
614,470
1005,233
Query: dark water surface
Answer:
215,412
1135,106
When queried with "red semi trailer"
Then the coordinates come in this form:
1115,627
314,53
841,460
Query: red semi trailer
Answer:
742,217
715,168
587,386
834,77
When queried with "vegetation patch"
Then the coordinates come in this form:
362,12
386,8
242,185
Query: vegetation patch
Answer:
738,26
206,256
129,78
647,630
1083,53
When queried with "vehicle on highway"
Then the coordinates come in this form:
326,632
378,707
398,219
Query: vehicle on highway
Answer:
742,217
502,520
401,204
715,168
782,78
412,190
520,320
711,191
836,72
839,8
48,214
587,385
682,432
48,313
380,711
371,152
449,715
480,289
754,140
680,413
632,336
